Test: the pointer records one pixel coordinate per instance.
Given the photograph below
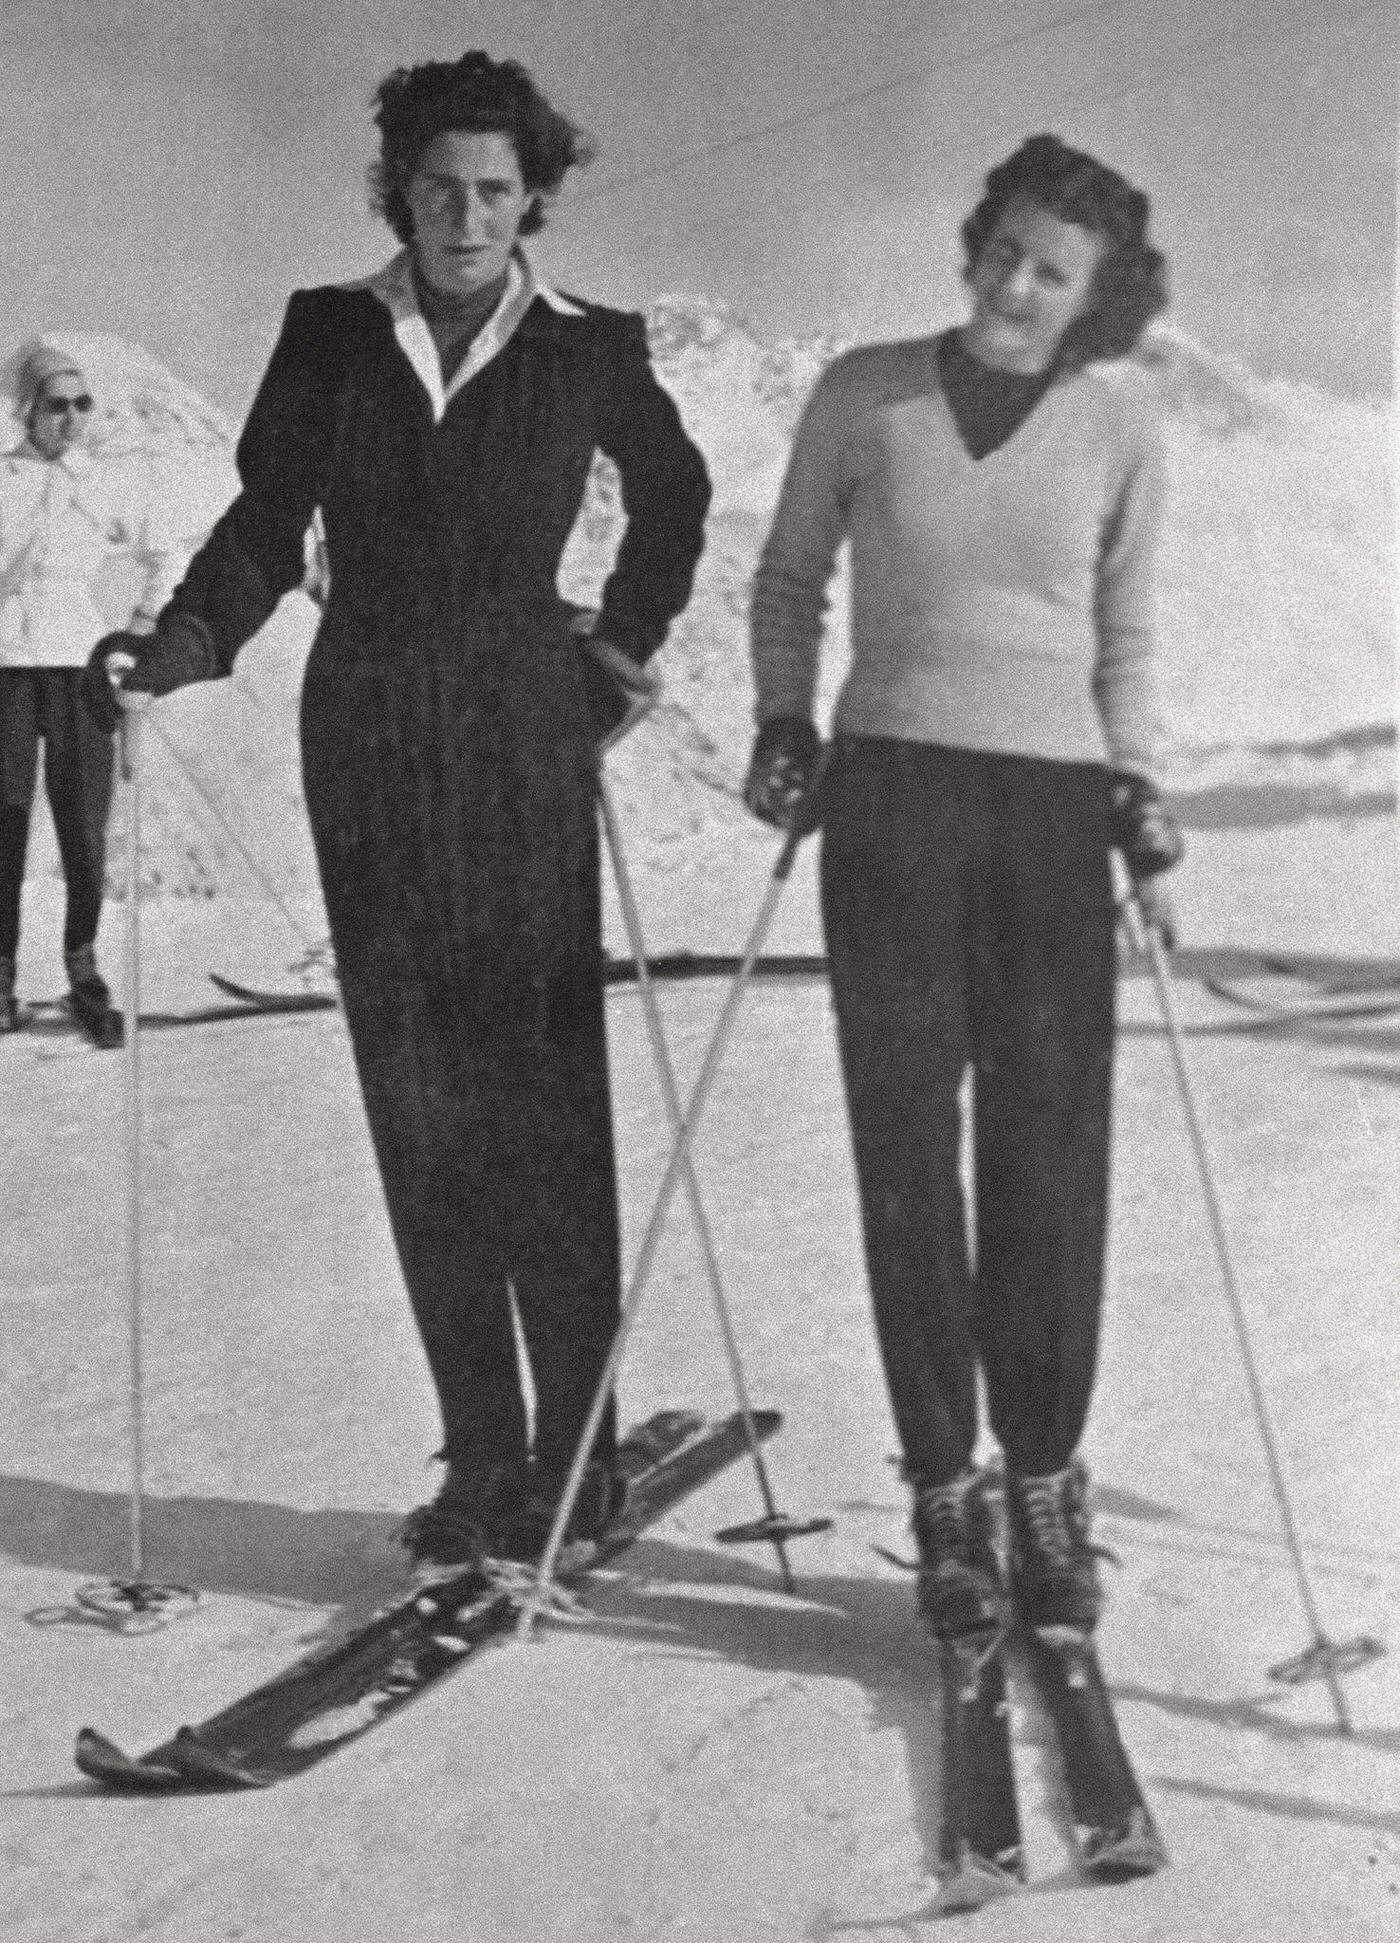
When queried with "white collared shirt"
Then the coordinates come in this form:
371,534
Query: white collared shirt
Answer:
395,289
61,521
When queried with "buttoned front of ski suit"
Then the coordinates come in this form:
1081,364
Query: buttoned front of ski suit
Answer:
450,782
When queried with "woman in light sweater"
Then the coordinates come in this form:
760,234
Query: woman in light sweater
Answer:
1000,486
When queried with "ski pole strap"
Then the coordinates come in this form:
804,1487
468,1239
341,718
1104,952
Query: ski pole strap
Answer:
629,675
637,690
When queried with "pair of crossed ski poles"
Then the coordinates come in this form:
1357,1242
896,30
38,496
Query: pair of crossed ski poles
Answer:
136,1602
1324,1657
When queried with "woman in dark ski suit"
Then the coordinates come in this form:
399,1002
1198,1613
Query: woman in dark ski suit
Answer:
443,417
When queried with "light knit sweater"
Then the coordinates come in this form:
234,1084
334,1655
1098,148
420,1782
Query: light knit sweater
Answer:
1001,604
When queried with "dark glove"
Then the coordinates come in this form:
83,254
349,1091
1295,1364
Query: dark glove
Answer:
617,691
1141,826
178,653
778,788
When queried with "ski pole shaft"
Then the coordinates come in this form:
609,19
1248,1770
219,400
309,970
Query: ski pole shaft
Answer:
131,730
1145,936
680,1150
665,1072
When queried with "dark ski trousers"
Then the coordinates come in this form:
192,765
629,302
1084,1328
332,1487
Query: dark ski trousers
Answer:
969,920
45,705
496,1157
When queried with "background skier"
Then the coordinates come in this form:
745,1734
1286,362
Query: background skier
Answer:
443,417
65,510
1001,488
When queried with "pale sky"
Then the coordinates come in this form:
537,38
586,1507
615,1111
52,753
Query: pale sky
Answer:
174,168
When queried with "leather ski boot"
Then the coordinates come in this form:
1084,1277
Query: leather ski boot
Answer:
461,1525
1053,1561
961,1594
90,1001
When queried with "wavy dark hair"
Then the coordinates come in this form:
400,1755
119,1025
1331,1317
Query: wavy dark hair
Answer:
1130,283
474,95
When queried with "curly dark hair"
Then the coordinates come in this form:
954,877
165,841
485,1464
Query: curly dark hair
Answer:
1130,283
474,95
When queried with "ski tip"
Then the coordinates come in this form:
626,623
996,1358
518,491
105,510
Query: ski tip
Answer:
1122,1855
103,1761
186,1762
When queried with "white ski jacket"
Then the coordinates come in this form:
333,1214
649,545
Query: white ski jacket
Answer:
61,521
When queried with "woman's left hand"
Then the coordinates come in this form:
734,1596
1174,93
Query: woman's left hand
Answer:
617,692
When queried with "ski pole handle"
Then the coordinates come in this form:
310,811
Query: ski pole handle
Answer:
133,703
129,736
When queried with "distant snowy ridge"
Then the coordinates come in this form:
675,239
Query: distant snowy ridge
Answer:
1276,604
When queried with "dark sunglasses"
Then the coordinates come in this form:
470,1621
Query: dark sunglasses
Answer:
82,402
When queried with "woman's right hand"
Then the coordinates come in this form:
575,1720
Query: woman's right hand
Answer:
782,771
125,665
1142,827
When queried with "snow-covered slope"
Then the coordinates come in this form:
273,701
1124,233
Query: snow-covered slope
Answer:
1276,593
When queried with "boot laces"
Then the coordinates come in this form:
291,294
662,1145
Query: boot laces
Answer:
949,1524
942,1522
1054,1515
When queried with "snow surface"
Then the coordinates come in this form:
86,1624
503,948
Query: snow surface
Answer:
707,1759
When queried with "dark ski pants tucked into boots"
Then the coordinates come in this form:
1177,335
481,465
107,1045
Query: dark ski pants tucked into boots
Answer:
969,920
44,704
496,1155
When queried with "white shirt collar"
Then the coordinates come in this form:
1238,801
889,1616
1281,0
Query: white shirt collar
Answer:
395,289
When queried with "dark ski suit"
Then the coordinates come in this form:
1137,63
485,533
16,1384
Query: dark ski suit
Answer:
450,783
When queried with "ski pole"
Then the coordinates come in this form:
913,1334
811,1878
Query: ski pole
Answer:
535,1599
130,733
1324,1656
134,1604
775,1527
